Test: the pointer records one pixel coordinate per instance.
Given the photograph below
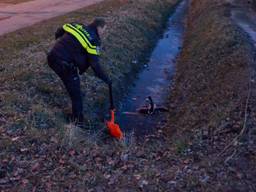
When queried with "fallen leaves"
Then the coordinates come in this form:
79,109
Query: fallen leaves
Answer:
35,167
15,138
143,183
24,150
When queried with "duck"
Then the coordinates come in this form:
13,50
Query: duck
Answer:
150,107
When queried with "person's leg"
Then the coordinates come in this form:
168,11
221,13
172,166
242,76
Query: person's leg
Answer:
72,84
56,65
71,81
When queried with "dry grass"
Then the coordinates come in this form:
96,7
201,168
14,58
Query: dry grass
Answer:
209,97
26,75
34,131
217,67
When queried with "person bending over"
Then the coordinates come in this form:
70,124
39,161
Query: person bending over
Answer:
77,48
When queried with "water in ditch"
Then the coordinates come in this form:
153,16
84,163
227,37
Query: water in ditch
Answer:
246,20
155,79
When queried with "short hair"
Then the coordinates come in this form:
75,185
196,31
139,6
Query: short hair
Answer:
98,22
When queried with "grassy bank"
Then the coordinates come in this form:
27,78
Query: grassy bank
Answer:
31,94
34,154
213,101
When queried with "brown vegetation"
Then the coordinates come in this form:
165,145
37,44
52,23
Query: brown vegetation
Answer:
32,92
213,98
210,145
38,151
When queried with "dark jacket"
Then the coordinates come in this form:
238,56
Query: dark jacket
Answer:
70,50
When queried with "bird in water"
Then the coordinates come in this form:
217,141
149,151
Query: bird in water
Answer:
149,108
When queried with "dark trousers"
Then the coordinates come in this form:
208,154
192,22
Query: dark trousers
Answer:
70,78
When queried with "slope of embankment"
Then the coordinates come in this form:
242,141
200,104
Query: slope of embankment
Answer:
37,152
213,101
32,96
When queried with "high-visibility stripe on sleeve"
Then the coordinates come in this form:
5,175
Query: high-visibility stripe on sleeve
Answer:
81,38
81,33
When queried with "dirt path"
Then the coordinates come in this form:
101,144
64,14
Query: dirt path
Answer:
14,17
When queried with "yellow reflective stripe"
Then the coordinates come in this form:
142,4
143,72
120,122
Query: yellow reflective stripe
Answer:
80,33
81,38
79,30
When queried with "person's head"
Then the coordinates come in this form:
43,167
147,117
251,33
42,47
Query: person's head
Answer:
99,24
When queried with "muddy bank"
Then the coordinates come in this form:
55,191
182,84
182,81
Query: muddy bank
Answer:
213,99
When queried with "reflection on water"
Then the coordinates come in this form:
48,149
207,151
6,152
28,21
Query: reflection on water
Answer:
155,80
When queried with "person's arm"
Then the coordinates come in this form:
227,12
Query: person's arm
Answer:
99,72
59,33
